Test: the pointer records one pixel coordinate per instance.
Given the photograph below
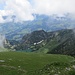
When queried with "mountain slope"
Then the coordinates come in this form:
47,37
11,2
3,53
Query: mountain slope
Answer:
56,42
57,39
66,47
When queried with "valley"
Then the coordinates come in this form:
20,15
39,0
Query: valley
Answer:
37,37
39,53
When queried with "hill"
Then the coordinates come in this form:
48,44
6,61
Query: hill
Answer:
56,42
21,63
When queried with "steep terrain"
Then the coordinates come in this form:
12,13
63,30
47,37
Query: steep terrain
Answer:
56,42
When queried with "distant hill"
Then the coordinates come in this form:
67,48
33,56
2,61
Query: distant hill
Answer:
56,42
15,31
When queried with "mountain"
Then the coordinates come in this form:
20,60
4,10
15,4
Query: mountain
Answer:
56,42
31,39
67,46
15,31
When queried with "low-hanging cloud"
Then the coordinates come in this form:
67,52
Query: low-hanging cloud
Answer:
2,41
23,9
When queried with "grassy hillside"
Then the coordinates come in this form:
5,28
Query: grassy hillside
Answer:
21,63
56,42
59,38
48,42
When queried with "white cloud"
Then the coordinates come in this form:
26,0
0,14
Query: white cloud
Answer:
5,13
20,8
2,1
2,13
1,19
49,7
23,9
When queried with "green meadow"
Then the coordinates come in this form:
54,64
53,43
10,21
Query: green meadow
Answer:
22,63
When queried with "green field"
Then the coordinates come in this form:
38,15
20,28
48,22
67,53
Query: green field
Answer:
21,63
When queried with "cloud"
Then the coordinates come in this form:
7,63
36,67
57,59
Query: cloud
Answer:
1,14
5,13
23,9
2,1
49,7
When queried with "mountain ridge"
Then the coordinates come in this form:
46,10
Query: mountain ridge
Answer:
56,42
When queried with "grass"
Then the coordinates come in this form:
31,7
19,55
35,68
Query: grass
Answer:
21,63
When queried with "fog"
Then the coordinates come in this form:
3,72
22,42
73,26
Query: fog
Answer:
2,40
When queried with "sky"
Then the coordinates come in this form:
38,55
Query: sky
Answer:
24,9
